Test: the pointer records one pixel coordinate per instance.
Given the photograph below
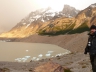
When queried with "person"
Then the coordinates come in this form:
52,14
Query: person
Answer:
91,47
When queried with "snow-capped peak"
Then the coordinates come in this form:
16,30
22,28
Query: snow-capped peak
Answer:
46,14
41,15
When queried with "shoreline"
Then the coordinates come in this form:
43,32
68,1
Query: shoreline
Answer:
77,62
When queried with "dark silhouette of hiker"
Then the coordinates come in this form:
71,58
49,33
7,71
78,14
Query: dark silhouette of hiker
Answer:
91,47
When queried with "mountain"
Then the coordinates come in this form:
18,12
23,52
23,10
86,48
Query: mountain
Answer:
38,20
48,22
70,11
44,15
87,14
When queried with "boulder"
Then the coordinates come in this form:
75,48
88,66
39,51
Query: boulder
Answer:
48,67
4,70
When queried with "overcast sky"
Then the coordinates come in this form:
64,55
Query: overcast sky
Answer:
12,11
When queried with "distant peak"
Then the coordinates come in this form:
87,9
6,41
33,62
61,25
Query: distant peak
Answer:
93,5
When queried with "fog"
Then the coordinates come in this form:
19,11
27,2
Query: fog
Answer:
12,11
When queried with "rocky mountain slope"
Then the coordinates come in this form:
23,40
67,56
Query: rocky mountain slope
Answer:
70,11
40,19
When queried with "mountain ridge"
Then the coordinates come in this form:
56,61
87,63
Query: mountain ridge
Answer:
48,22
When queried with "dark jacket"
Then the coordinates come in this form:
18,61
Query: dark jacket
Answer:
91,44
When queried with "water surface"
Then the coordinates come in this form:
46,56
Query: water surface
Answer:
24,52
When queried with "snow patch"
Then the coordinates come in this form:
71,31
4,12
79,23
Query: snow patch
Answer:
53,14
23,23
31,20
49,11
37,16
93,6
42,20
27,25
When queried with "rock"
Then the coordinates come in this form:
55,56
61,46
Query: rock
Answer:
31,70
67,69
48,67
4,70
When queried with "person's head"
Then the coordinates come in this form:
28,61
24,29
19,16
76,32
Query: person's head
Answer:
92,29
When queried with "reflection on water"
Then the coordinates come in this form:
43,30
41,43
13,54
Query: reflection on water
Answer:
24,52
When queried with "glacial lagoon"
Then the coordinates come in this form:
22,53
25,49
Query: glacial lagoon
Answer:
25,52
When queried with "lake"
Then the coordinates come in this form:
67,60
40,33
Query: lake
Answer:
25,52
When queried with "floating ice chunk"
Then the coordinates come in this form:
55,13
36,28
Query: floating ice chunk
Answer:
37,59
47,54
40,55
59,54
33,58
5,40
18,59
27,50
2,41
52,56
67,52
24,59
27,56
